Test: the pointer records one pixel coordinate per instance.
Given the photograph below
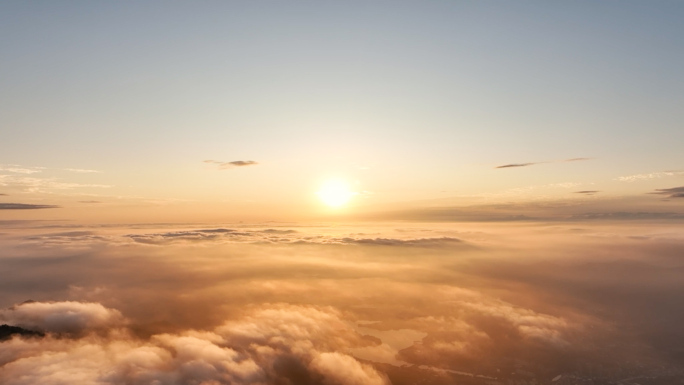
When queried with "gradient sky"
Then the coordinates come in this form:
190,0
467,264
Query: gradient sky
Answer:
409,101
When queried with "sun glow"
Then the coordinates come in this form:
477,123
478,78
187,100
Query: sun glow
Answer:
335,192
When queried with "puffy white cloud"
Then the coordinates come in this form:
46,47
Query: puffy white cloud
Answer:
266,346
341,369
62,317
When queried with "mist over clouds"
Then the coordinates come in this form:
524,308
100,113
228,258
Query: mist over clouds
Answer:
339,305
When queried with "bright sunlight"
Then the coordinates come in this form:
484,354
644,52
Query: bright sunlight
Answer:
335,192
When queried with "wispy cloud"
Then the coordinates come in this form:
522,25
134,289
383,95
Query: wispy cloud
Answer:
652,175
24,206
512,165
82,170
89,202
17,169
42,185
587,192
674,192
515,165
235,163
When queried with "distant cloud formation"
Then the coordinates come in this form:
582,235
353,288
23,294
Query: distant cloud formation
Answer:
235,163
511,165
674,192
283,236
25,206
419,242
570,208
628,216
89,202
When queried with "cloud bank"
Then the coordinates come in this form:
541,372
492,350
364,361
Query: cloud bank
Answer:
361,304
674,192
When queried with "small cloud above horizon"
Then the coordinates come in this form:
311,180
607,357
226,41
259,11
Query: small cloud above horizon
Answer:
511,165
235,163
674,192
25,206
587,192
516,165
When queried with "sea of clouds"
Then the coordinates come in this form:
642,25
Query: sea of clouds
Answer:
352,304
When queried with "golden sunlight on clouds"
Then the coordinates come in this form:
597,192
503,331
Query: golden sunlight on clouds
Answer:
335,193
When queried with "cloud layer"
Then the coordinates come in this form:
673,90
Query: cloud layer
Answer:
362,304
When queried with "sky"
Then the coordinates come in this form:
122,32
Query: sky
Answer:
341,193
409,102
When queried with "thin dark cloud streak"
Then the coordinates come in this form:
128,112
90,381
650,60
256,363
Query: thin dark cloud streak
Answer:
587,192
516,165
513,165
25,206
235,163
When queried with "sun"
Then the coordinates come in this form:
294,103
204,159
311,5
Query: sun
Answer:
335,193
